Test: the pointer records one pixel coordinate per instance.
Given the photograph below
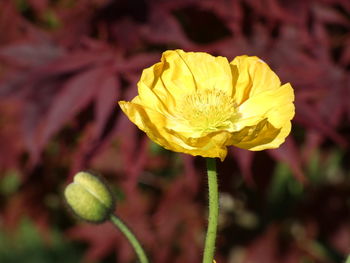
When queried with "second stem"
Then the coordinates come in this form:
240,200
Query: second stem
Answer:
209,247
131,237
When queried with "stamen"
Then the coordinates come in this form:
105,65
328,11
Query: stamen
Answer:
208,110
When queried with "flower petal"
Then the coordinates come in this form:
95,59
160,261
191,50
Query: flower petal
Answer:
158,129
188,71
254,77
148,120
277,141
259,137
212,145
152,91
275,105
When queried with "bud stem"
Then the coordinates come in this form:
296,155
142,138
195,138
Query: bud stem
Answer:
131,237
348,260
209,247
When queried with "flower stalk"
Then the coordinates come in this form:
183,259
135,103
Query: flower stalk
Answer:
209,247
131,238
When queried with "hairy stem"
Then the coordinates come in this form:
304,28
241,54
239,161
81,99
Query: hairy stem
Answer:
131,237
209,247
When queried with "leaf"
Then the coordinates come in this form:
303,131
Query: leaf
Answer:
289,153
334,103
244,159
30,54
191,175
168,31
171,216
138,62
271,9
106,101
101,239
307,116
340,239
76,94
11,139
74,61
329,15
36,101
264,248
93,137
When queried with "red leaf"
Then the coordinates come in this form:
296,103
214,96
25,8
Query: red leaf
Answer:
289,153
101,238
345,58
264,249
334,103
340,239
327,14
347,96
30,54
244,159
138,62
72,98
191,176
310,118
100,139
163,28
74,61
106,101
271,9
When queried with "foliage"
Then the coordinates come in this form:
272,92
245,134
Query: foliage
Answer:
64,65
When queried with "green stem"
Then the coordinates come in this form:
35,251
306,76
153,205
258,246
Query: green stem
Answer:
348,260
131,237
209,247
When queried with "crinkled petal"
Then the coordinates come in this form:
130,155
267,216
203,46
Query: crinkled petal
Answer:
277,141
254,77
158,129
147,120
275,105
253,137
211,145
153,92
184,72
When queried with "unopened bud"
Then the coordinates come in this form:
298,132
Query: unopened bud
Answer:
89,197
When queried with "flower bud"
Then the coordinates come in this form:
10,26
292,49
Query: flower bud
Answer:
89,198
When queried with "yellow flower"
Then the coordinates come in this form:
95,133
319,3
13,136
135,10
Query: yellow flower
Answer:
199,104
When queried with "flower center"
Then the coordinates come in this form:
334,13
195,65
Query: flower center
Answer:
208,110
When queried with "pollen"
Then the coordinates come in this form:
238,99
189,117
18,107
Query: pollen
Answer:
208,110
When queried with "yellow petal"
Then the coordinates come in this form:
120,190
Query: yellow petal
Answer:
284,109
254,136
277,141
275,105
264,119
211,145
189,71
157,128
152,91
148,120
254,77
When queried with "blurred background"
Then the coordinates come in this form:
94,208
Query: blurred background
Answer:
64,64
